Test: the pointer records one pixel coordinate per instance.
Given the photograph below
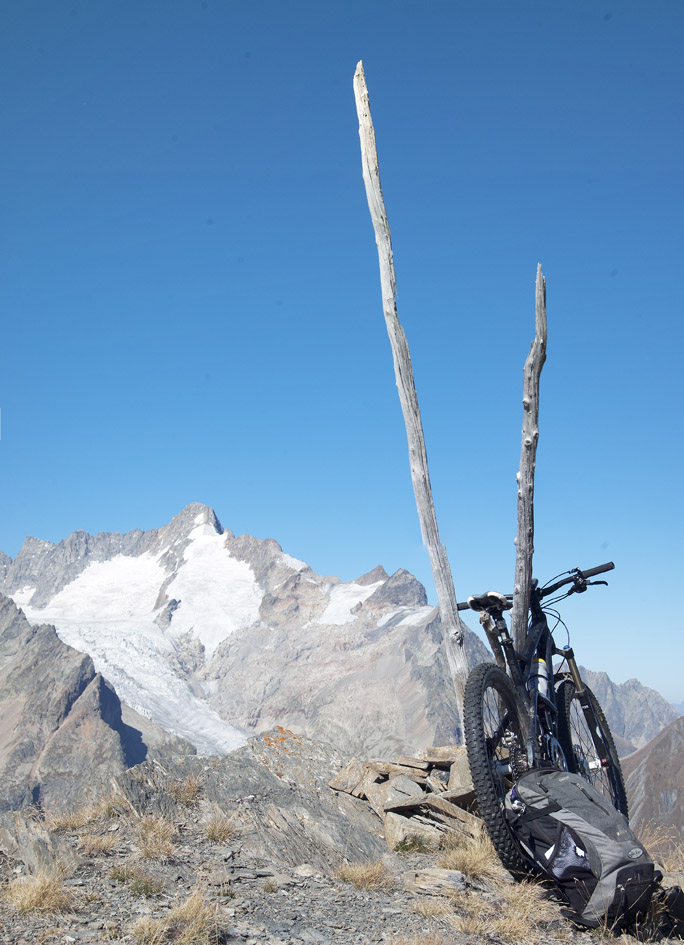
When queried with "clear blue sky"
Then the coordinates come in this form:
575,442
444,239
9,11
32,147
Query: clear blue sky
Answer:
190,295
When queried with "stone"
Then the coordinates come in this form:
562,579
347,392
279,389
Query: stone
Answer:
444,811
459,771
435,881
399,829
391,792
370,777
351,775
443,755
412,762
390,768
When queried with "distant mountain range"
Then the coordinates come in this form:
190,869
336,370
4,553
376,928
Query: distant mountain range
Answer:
636,713
655,780
210,637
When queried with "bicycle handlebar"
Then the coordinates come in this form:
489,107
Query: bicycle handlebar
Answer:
598,570
590,572
545,591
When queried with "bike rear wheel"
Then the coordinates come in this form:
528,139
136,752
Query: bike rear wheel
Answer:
495,742
587,742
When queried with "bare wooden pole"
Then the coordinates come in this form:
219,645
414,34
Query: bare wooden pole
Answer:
446,596
528,458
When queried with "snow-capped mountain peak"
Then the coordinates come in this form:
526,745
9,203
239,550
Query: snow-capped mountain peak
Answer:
135,602
209,634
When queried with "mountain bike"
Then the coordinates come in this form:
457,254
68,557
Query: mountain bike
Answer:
521,713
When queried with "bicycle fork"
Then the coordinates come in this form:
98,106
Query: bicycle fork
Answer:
603,760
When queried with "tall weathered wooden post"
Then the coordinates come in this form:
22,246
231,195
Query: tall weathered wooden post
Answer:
452,625
524,543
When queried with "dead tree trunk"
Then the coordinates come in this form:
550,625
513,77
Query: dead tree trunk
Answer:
451,622
528,457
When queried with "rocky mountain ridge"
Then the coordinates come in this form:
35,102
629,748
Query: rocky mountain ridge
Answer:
62,734
213,635
655,781
256,848
636,713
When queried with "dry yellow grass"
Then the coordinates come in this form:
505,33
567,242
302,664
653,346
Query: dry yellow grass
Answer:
526,905
186,792
43,892
156,838
664,844
94,845
517,919
80,816
432,908
70,819
140,882
474,856
365,875
150,931
218,827
195,922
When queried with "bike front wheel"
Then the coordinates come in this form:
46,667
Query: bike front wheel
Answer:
587,742
495,737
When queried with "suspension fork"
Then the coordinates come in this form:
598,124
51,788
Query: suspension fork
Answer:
569,655
587,708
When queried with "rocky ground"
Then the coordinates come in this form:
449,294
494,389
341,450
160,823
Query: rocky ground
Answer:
254,847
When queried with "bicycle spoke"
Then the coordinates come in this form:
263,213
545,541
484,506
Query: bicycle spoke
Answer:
591,747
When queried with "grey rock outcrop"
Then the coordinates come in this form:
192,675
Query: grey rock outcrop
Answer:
277,786
399,590
371,577
370,686
5,563
62,736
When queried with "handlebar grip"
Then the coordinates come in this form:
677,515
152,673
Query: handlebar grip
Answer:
598,570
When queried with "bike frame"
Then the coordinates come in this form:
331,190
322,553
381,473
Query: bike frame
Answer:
538,709
541,710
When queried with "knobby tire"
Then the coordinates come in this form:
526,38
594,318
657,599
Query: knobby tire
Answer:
489,711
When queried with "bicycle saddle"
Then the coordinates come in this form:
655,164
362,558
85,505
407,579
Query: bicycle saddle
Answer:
492,600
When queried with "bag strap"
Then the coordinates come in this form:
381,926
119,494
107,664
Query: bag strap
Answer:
526,815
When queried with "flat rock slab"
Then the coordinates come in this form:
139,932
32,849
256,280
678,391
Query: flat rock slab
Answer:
382,797
391,768
444,811
348,778
463,797
459,772
399,829
433,787
442,755
435,881
412,762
